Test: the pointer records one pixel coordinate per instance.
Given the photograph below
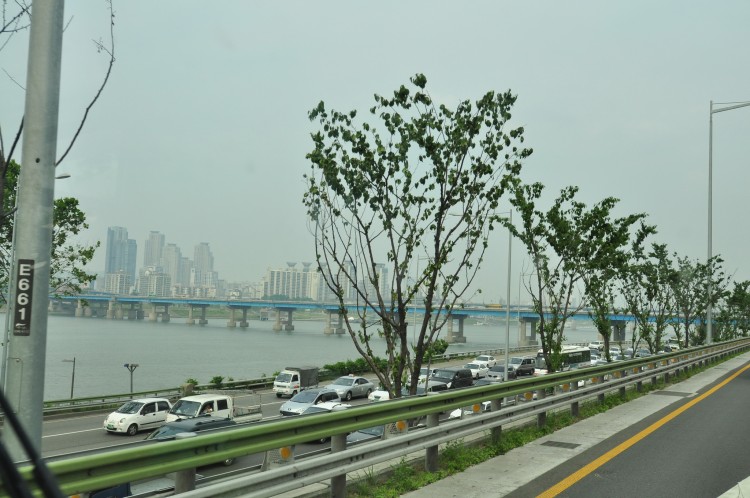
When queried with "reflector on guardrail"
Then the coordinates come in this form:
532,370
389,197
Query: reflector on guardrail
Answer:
397,428
278,457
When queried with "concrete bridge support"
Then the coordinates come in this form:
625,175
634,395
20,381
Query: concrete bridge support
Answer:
525,339
232,323
456,337
154,314
283,324
335,323
618,330
191,316
244,323
81,309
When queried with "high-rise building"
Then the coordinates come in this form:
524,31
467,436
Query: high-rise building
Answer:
120,252
154,249
172,264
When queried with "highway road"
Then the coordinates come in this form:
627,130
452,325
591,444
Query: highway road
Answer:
695,447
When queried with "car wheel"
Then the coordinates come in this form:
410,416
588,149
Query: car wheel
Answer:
294,393
278,395
132,430
228,462
369,392
348,396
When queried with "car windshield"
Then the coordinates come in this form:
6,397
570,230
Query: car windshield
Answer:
284,377
446,374
130,407
343,381
498,368
483,358
472,366
165,432
305,397
183,407
516,360
373,431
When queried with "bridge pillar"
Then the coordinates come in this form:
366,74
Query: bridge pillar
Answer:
202,320
330,327
285,324
111,309
165,314
523,338
455,337
190,320
232,323
119,313
243,322
152,314
618,330
79,308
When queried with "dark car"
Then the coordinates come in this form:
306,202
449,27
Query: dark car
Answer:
198,424
498,372
453,377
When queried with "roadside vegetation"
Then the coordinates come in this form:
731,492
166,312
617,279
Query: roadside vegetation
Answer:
458,456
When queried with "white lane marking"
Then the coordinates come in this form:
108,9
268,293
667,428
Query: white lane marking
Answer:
74,432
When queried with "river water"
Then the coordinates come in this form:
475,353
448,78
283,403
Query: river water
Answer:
170,353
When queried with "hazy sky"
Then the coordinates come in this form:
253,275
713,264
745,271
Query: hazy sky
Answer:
202,131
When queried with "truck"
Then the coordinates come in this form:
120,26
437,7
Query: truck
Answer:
215,405
292,380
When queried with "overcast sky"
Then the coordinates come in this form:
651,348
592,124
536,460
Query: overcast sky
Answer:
202,131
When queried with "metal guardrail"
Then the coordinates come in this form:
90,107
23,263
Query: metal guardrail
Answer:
87,473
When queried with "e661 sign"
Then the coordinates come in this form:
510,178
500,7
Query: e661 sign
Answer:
24,291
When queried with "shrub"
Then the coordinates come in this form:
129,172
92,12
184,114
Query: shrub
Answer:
217,380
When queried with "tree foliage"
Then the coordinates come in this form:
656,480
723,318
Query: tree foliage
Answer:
422,182
69,258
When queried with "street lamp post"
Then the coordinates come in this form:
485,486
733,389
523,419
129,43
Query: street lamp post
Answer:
73,376
131,367
726,106
507,309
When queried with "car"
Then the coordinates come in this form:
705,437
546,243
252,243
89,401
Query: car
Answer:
138,415
349,387
488,360
478,370
425,373
170,430
366,434
524,366
306,398
433,386
484,407
597,345
379,395
324,407
498,372
454,377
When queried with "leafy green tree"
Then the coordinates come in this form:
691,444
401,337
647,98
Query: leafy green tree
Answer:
69,259
647,290
733,319
552,241
690,288
603,255
423,181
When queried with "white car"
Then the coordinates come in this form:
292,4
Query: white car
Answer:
138,415
485,359
478,370
379,395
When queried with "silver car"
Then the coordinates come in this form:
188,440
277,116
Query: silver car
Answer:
349,387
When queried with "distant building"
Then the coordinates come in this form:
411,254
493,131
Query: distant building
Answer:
154,249
120,254
116,283
154,282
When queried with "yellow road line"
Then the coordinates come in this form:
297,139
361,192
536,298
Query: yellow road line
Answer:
595,464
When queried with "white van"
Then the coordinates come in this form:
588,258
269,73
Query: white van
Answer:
217,405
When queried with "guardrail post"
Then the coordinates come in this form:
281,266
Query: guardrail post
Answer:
574,407
431,462
541,418
622,389
338,483
496,432
600,397
184,480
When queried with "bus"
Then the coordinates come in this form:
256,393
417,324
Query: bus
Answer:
573,357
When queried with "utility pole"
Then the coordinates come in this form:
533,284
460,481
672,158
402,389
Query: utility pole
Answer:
32,245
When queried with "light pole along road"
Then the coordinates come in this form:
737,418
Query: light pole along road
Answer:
723,106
